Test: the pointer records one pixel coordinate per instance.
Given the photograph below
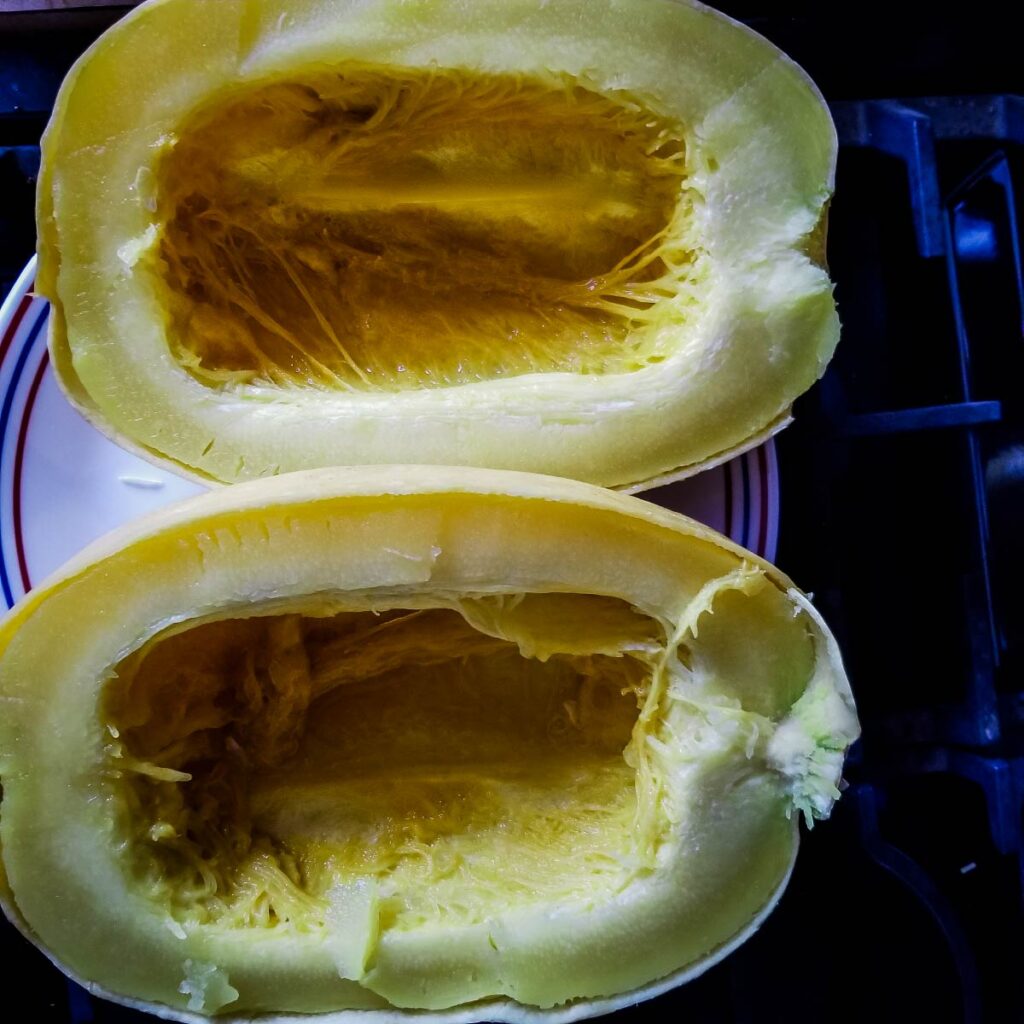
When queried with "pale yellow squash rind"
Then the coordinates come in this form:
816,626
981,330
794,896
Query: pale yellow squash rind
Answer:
767,324
394,531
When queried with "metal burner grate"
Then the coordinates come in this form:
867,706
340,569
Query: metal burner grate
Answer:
904,485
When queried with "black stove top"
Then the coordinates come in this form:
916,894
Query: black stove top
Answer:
902,511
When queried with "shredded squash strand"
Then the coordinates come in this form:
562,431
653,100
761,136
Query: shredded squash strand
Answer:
387,229
461,760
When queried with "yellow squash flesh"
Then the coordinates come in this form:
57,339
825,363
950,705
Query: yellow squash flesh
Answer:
581,237
486,744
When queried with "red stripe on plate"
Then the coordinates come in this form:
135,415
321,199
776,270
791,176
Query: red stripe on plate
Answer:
727,482
12,330
762,525
19,461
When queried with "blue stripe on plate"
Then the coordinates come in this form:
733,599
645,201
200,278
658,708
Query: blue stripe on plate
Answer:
5,416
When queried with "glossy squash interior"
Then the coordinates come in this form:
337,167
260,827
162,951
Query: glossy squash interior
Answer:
385,229
320,743
421,764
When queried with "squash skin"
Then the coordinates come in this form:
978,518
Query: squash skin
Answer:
765,334
229,547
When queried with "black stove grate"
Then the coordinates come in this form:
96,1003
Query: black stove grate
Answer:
903,483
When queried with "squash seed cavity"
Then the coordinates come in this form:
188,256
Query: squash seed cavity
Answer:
450,762
387,229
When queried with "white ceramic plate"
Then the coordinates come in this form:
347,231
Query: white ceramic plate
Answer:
63,484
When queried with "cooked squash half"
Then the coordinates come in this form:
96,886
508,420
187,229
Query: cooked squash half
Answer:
498,746
582,237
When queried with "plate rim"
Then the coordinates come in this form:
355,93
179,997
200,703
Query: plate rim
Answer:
750,480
